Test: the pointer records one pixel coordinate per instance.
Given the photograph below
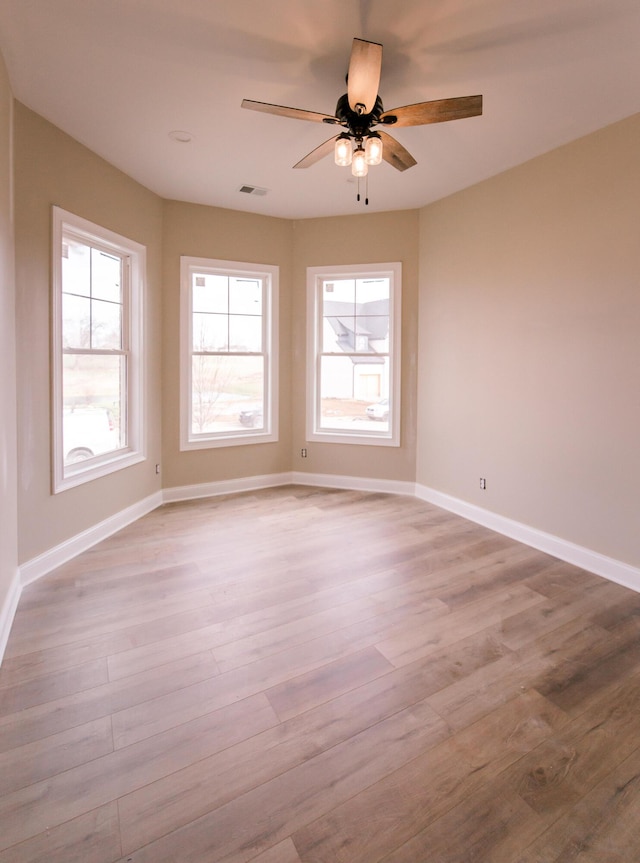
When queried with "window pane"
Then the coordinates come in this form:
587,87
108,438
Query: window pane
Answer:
76,268
245,333
347,335
106,325
349,326
227,393
341,291
106,276
245,297
210,293
210,332
350,392
94,416
373,324
338,334
76,321
368,290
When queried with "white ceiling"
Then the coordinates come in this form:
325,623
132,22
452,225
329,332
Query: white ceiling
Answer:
120,75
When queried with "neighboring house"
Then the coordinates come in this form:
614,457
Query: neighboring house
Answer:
354,329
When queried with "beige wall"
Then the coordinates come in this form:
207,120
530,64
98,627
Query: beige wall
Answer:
190,229
362,239
209,232
8,459
530,343
526,369
51,168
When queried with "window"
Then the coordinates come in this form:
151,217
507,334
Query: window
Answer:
354,354
98,285
228,356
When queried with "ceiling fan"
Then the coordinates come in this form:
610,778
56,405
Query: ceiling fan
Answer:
360,109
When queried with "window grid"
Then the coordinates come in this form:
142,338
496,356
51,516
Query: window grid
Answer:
354,358
228,358
97,351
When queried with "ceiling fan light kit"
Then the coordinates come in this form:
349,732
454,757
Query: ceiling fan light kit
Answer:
361,108
343,151
359,167
373,149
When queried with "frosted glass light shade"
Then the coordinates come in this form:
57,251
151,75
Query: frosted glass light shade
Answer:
373,150
343,151
359,167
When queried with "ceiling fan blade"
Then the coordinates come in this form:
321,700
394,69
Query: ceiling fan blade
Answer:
434,112
317,154
283,111
395,154
364,75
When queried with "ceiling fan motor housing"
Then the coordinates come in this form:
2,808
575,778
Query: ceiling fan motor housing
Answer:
358,125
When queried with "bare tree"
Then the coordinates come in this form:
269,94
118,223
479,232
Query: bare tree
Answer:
210,379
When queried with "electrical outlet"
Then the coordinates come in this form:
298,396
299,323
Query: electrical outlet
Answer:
303,452
483,483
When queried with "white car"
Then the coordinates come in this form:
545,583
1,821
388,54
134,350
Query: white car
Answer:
379,410
88,432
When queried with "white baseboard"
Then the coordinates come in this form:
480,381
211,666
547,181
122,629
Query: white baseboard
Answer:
585,558
8,611
47,561
253,483
226,486
353,483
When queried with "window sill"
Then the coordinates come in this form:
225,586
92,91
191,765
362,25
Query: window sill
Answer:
103,468
249,437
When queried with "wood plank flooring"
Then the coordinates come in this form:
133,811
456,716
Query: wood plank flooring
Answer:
304,675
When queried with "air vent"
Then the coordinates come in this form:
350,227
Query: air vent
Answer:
253,190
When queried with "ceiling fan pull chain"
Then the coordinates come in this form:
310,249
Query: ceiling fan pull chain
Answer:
366,191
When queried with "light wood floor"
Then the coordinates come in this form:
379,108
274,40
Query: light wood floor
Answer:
312,675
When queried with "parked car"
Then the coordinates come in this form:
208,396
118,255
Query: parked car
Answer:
251,417
379,410
88,432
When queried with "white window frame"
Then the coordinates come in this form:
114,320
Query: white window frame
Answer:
316,276
134,254
269,276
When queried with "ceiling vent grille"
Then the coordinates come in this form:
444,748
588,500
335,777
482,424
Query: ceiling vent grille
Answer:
252,190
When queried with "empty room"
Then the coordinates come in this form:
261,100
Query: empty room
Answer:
320,431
